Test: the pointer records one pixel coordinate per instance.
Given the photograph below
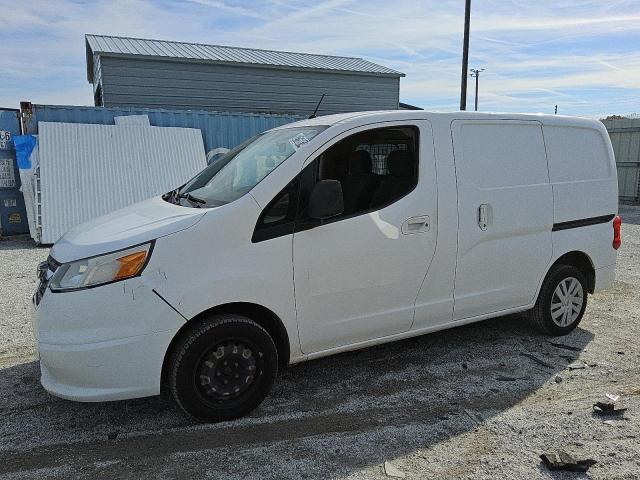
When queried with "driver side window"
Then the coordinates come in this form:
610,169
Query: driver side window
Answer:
375,168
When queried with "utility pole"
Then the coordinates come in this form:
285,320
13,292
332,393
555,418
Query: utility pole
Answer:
465,55
475,72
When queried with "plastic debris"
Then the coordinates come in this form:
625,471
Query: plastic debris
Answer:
561,460
392,471
608,408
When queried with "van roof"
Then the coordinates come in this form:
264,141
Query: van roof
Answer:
382,115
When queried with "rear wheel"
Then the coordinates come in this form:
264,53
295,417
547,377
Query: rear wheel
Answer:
562,301
223,368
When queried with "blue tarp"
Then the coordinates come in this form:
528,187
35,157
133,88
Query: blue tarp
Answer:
24,147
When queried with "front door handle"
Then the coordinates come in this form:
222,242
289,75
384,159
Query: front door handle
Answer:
418,224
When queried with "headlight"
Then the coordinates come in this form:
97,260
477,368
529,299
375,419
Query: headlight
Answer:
94,271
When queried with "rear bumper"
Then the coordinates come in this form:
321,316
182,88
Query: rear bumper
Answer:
605,277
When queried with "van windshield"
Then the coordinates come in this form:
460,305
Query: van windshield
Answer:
241,169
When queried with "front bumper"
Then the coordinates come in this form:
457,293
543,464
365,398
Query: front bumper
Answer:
113,370
104,343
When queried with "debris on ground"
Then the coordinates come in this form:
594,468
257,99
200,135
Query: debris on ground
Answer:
477,419
566,347
608,408
392,471
506,378
577,365
561,460
558,379
568,358
537,360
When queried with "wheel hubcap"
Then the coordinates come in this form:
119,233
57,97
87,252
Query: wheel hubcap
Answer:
566,302
226,371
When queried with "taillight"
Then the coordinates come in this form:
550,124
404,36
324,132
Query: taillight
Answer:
617,238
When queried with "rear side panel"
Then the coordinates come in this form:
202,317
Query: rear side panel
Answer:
582,172
585,189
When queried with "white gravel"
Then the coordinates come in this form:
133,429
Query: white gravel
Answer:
469,403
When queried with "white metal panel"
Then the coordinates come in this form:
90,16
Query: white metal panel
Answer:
90,170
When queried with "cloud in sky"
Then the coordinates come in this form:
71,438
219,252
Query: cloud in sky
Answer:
582,55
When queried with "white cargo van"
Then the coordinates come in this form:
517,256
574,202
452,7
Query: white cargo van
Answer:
326,235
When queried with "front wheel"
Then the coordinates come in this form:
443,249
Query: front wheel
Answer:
562,301
223,368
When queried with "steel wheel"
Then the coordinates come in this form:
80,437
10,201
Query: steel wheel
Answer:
228,370
222,367
566,302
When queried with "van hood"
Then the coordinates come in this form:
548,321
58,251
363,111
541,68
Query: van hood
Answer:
129,226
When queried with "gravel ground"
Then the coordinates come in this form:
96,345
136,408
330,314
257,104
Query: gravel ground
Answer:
476,402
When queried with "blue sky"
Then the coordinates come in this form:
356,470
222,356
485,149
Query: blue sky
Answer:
582,55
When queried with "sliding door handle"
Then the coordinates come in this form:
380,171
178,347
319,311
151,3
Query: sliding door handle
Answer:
482,217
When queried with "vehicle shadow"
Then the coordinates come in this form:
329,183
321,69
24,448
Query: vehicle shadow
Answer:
341,413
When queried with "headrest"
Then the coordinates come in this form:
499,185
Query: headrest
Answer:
400,163
360,162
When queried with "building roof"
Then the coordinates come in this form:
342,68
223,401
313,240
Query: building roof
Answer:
139,47
408,106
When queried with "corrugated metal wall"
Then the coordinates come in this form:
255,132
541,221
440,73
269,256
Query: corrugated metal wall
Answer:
218,129
625,138
189,85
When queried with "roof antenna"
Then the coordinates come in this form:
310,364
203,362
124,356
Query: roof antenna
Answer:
313,115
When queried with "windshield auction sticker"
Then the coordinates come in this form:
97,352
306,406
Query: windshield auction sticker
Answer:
298,141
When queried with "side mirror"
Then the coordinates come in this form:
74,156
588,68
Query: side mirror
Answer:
326,200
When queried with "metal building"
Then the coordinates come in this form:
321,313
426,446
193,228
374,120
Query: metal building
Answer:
162,74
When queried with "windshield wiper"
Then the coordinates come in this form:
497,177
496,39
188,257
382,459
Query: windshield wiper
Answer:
195,201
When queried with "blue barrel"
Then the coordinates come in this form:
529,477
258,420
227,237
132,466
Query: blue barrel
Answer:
13,216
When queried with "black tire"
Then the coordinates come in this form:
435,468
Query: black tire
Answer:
222,368
541,315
